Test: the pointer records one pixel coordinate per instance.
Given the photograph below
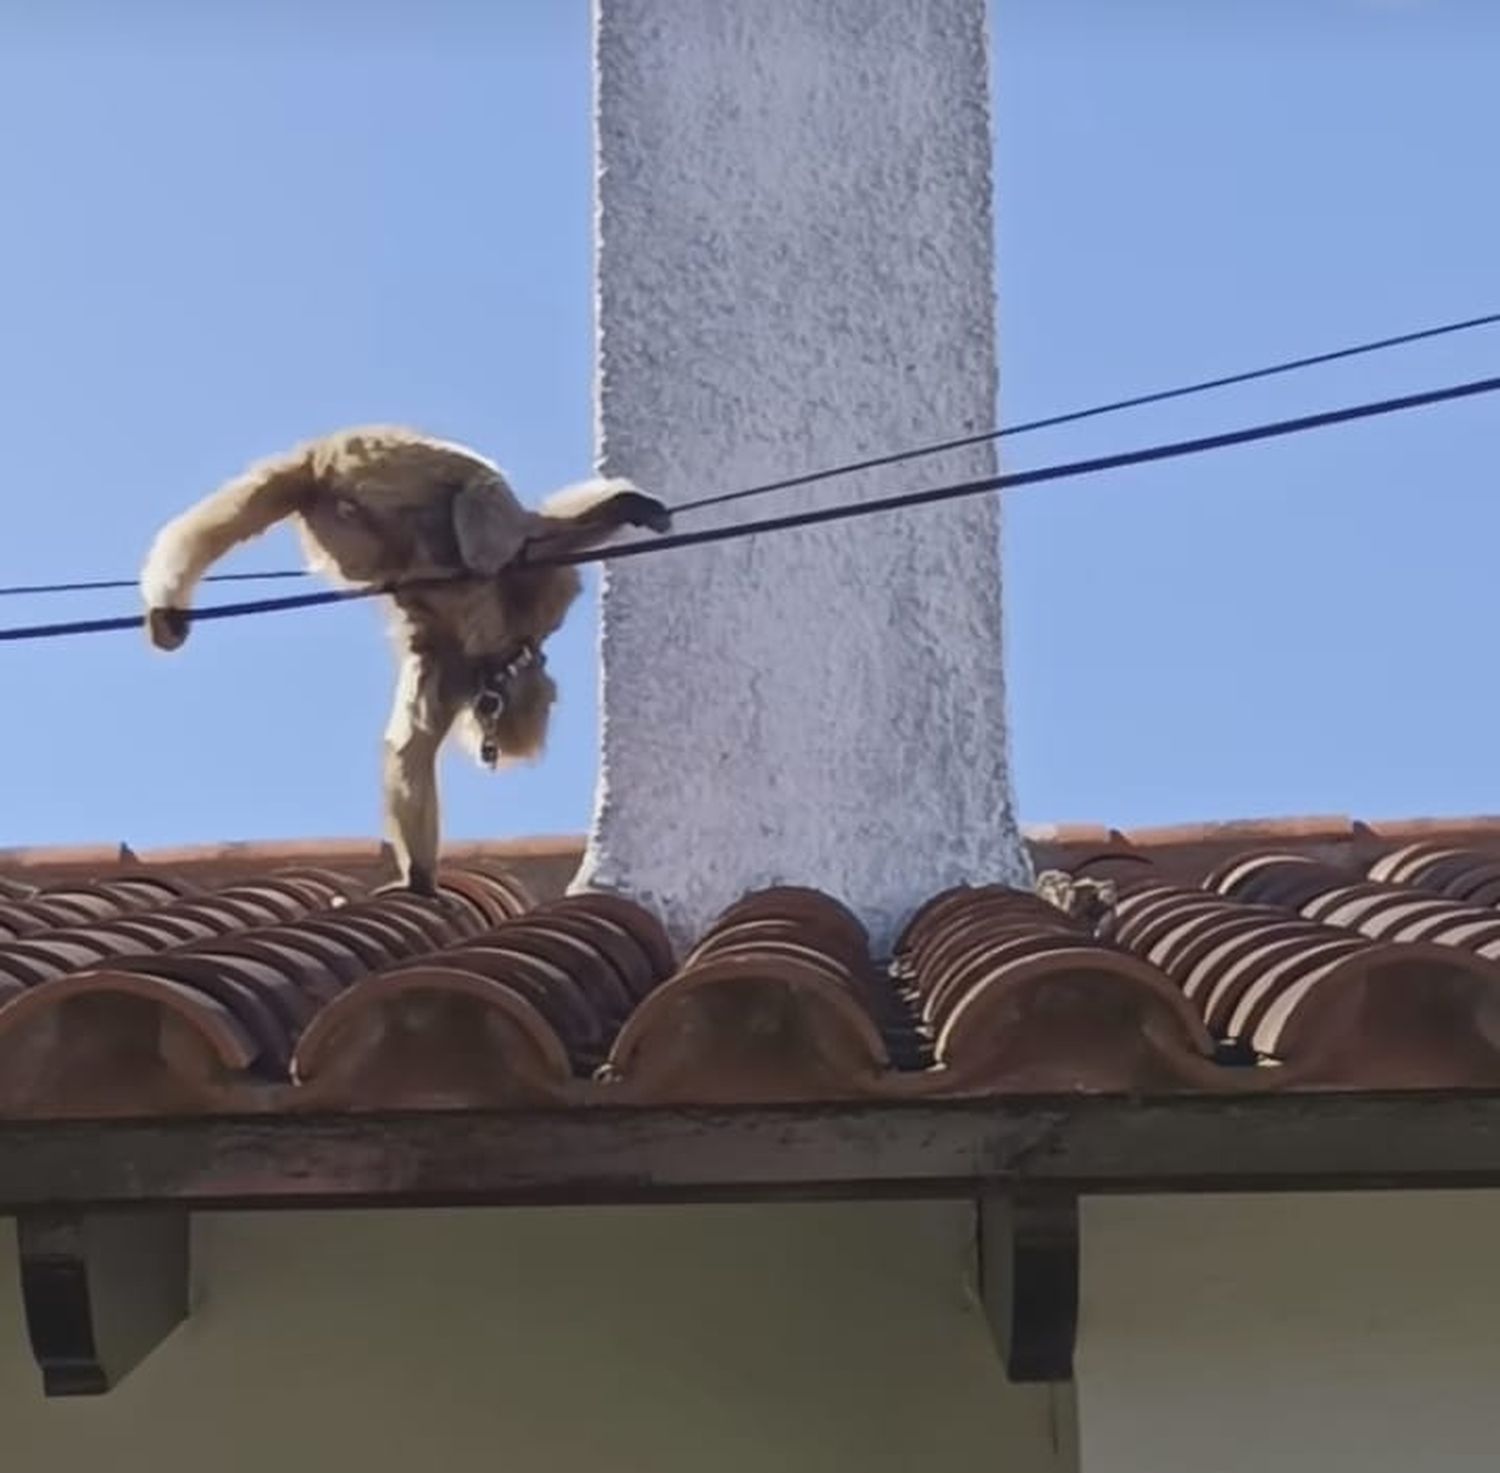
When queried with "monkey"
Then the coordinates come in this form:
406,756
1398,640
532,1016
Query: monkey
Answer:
379,505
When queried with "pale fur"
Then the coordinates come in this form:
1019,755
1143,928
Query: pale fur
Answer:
375,505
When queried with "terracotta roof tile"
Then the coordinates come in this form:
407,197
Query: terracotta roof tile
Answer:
1315,953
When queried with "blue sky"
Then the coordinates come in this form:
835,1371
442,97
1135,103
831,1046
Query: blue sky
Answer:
228,228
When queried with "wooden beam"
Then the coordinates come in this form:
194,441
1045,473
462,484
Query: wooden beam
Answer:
1028,1281
1075,1144
101,1292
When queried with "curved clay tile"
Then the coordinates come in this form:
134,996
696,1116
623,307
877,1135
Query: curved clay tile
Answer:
278,900
571,964
1082,1017
430,1036
748,1028
824,920
109,939
43,957
1116,864
1389,1017
493,897
1347,905
319,964
1396,908
408,934
109,1043
74,904
303,974
1459,873
246,910
798,921
83,901
934,919
215,916
618,969
142,889
644,928
17,920
554,991
29,917
1329,978
943,984
334,887
1233,1004
374,946
1020,996
152,930
580,965
252,994
432,922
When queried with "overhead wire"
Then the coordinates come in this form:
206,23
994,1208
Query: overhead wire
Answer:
1076,416
808,478
1150,454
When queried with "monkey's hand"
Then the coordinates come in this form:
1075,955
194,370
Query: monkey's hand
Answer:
639,510
167,628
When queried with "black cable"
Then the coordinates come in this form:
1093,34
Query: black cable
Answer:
213,611
98,585
808,478
1170,451
1161,396
1067,469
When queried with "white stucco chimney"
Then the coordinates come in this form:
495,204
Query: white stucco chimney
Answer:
795,268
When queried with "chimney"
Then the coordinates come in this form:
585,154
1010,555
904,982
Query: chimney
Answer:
795,269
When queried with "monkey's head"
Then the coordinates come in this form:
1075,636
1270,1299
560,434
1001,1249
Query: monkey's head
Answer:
359,539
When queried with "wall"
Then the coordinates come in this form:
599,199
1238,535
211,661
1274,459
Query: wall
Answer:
795,269
645,1340
1307,1334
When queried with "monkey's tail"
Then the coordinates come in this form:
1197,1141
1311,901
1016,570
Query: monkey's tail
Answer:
187,546
573,500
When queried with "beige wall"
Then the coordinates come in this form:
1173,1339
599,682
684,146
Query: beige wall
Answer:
710,1339
1304,1334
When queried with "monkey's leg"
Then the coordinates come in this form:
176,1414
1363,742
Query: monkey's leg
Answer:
595,519
421,715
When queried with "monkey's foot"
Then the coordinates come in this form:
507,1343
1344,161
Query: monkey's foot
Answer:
641,510
421,881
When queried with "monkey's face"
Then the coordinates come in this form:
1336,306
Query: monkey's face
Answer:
356,542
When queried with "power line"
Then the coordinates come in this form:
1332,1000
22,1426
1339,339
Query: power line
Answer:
1066,470
808,478
1138,401
98,585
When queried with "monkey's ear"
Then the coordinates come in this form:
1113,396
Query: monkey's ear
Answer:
490,526
167,628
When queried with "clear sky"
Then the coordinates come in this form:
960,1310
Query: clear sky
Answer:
228,227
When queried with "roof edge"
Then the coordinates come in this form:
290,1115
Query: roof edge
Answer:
1052,844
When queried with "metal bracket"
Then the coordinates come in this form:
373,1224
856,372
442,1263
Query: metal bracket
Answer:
101,1292
1028,1282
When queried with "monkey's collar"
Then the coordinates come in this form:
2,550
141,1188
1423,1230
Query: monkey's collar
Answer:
492,694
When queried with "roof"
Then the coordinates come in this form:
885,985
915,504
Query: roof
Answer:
278,979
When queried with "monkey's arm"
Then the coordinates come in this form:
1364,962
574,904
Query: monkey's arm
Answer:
185,548
422,713
584,516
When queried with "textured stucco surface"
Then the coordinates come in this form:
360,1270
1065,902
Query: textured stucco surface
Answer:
794,269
